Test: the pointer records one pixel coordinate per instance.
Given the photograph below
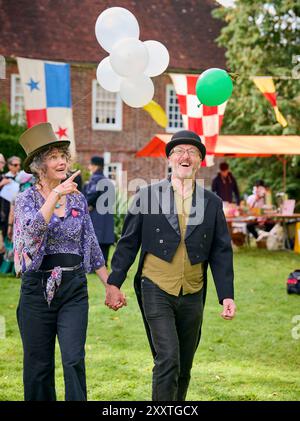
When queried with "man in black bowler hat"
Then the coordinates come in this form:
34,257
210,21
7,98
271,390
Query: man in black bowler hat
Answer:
181,229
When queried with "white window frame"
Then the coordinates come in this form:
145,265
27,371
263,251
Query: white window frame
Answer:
117,126
16,116
118,167
170,129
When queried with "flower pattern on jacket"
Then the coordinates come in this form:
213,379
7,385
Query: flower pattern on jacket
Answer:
34,238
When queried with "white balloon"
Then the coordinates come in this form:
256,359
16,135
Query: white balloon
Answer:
137,91
106,76
114,24
158,58
129,57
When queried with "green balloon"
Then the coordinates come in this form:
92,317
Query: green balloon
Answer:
214,87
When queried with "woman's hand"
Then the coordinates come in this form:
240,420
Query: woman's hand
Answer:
115,299
68,186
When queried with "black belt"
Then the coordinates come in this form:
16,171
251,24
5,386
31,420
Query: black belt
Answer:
64,269
65,260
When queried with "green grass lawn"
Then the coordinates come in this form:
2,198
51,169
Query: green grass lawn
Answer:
253,357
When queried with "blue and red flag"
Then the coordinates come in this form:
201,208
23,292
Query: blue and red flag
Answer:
47,95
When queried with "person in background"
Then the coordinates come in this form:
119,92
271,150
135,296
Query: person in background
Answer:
103,222
14,167
257,200
3,182
2,165
258,196
225,185
25,181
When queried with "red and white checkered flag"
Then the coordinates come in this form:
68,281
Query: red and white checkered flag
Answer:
205,121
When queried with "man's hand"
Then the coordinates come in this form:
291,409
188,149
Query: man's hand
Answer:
229,309
115,299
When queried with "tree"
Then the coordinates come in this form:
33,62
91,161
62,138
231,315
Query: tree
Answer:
262,39
9,135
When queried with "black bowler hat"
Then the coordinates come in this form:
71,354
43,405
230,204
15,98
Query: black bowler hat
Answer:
186,137
97,160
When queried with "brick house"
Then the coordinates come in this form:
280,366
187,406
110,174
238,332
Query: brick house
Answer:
63,30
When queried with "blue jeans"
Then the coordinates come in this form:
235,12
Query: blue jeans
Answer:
175,326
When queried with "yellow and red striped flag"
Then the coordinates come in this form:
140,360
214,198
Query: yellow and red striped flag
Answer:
266,85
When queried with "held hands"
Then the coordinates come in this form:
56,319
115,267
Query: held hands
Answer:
229,309
68,186
115,299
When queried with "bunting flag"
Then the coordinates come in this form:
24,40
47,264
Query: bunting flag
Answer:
205,121
47,95
266,86
157,113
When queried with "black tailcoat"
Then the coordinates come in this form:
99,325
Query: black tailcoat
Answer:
152,226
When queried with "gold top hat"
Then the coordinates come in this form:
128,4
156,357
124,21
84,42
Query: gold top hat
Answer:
38,138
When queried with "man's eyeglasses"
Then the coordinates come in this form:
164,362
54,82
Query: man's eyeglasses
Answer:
15,165
179,152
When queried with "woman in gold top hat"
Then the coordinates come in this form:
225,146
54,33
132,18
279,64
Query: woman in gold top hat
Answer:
55,246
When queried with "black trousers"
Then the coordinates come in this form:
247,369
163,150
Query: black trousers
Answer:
66,318
252,228
175,326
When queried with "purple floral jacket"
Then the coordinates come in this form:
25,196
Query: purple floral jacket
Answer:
34,238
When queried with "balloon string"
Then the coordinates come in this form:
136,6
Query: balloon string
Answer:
199,105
